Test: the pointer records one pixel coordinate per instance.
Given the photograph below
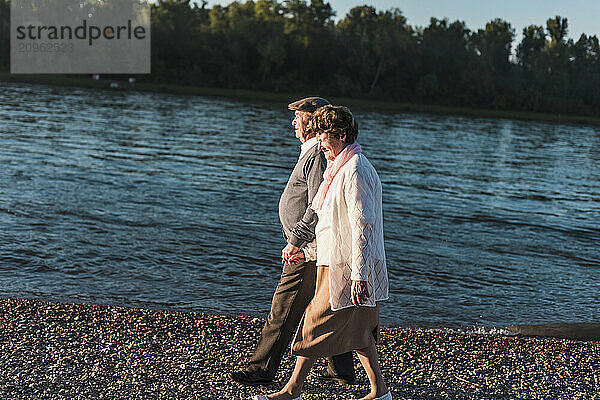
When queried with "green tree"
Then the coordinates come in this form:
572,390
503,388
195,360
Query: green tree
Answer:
237,33
585,72
532,62
295,46
490,72
358,32
377,48
303,19
557,56
445,55
272,47
392,41
529,51
311,44
494,45
178,33
557,29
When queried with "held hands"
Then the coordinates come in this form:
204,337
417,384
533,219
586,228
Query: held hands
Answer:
288,251
297,258
292,255
359,292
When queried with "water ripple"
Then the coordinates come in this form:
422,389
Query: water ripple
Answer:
171,201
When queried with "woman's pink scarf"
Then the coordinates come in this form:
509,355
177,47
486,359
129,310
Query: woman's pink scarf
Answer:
333,168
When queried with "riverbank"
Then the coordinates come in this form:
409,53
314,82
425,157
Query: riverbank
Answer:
54,350
249,95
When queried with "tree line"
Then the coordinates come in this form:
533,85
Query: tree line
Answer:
296,46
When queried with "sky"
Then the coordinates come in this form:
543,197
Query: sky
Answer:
582,15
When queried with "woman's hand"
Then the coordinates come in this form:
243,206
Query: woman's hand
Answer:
359,292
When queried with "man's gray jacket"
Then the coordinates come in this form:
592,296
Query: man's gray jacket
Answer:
298,220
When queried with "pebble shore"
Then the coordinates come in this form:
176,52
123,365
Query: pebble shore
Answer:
74,351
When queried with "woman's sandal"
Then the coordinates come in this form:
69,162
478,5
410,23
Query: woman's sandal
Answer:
387,396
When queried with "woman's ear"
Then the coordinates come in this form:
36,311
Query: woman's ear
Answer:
343,138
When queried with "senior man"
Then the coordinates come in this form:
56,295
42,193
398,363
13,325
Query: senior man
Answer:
297,283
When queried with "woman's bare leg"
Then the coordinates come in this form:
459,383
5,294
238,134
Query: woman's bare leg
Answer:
369,361
293,387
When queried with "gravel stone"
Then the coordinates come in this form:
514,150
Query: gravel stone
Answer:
77,351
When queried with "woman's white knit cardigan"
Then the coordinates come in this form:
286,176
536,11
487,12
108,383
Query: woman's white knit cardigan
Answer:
350,234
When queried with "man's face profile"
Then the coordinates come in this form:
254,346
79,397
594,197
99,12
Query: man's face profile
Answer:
300,123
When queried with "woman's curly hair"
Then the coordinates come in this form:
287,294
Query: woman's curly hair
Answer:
335,121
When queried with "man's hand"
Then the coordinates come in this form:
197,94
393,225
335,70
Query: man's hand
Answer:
359,292
288,251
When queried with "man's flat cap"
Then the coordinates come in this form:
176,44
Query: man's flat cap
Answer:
308,104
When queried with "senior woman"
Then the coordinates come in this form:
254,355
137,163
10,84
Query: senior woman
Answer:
351,273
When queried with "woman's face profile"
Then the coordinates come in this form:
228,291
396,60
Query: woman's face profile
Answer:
330,146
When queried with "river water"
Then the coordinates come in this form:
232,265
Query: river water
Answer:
165,201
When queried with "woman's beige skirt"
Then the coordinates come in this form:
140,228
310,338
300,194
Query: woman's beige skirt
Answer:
323,332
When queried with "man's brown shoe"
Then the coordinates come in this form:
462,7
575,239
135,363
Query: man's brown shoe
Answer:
327,376
251,378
